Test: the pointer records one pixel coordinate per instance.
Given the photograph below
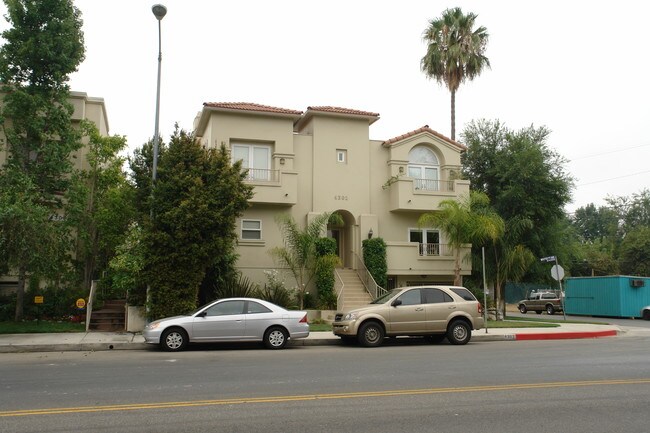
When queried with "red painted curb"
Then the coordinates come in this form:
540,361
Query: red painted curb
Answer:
565,335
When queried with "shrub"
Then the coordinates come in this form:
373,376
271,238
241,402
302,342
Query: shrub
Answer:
274,291
327,260
374,257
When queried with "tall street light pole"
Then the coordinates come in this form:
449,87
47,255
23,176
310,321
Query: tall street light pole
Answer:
159,12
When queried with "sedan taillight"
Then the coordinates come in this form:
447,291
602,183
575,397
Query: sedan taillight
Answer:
304,319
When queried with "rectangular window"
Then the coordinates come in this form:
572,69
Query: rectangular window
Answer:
428,239
341,156
251,229
254,157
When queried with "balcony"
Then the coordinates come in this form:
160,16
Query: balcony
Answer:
423,195
273,186
413,258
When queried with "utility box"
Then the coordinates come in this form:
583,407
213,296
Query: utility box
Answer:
612,296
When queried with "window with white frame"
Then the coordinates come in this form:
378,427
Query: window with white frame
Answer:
424,168
342,156
251,229
429,240
254,157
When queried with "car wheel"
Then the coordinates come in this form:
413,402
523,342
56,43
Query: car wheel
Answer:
538,311
371,334
646,314
435,338
522,309
275,338
459,332
550,310
174,340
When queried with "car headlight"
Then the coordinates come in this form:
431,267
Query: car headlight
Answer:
351,316
153,325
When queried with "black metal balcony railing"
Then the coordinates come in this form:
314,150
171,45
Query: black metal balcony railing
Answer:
433,185
262,175
435,250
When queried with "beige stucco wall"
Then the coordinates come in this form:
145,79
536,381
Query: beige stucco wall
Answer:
354,188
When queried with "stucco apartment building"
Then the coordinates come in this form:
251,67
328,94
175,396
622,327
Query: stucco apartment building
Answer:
85,108
322,160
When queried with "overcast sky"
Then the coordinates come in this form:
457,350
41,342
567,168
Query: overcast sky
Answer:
580,68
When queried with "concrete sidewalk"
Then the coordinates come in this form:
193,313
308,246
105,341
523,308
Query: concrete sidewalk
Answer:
95,341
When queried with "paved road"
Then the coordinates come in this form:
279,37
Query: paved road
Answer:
600,385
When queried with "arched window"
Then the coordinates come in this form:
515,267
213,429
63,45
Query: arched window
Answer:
424,168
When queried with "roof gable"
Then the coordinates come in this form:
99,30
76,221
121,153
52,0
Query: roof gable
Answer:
424,130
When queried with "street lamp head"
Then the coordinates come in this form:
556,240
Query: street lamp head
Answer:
159,11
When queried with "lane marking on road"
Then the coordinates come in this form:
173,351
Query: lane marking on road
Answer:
310,397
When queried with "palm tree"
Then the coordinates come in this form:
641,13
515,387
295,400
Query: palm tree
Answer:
299,254
455,52
465,221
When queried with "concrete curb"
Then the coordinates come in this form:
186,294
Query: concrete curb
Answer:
135,343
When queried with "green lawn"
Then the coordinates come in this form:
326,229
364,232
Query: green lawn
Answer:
520,324
320,327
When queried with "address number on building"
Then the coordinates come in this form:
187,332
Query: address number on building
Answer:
340,197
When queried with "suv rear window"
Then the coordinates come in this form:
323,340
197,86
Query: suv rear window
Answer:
464,293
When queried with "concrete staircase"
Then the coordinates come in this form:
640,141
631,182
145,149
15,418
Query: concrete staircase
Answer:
354,293
112,317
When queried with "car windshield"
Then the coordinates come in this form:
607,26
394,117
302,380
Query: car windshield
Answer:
385,297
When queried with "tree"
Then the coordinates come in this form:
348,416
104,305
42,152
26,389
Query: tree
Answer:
455,52
465,221
632,211
635,252
43,46
522,177
593,224
199,193
299,254
506,259
100,205
30,239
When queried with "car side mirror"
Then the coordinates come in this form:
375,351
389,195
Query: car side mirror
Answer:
202,314
396,302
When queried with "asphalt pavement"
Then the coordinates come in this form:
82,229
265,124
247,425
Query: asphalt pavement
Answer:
95,341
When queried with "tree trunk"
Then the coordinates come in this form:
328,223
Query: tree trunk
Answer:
20,295
453,115
457,278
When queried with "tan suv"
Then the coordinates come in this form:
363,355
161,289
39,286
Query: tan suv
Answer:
432,311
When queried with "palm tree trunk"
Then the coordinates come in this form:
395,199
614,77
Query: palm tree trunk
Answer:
453,115
457,278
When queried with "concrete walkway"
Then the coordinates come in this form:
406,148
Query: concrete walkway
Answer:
95,341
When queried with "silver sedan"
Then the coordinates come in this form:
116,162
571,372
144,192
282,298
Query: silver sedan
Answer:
231,319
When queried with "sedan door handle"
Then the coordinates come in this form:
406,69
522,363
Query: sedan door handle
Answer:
452,307
419,309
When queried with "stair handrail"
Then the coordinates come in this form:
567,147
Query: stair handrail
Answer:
89,307
374,289
340,291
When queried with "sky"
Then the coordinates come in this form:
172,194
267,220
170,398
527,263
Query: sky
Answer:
580,68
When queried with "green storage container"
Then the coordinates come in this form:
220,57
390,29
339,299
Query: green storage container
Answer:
612,296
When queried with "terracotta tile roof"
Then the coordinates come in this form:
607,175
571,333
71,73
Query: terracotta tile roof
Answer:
340,110
425,128
247,106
